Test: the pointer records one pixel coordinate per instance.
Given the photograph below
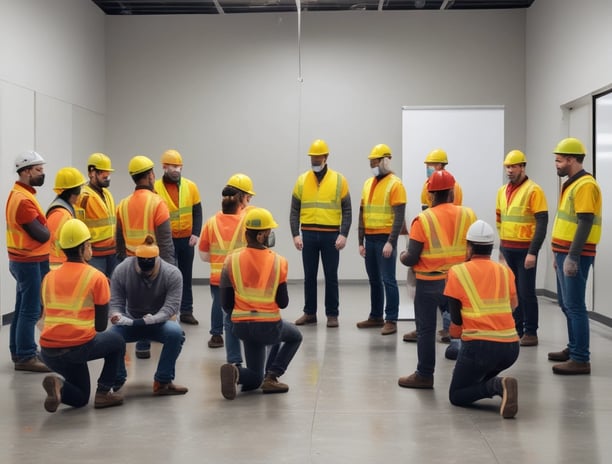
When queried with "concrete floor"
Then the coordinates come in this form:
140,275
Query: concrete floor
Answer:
344,405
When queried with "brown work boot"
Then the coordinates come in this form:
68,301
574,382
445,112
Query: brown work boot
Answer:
272,385
410,336
529,340
509,404
33,364
416,380
332,321
559,356
168,389
107,399
389,328
370,323
444,336
187,318
53,386
229,378
216,341
305,319
572,368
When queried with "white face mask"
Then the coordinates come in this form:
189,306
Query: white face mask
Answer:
376,171
318,167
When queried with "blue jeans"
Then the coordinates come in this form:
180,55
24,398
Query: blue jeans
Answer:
571,297
429,294
478,364
184,258
71,363
381,274
28,308
105,264
526,314
233,349
320,244
168,333
216,312
284,338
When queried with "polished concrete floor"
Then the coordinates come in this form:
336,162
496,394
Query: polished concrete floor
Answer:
344,406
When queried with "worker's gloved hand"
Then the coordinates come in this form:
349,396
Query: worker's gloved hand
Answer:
148,319
570,266
120,319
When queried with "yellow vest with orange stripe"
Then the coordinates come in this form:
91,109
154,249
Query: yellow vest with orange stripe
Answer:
18,241
377,210
517,222
181,215
100,218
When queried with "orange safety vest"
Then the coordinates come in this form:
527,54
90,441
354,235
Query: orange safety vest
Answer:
223,233
22,247
485,289
445,228
100,218
181,215
70,294
255,275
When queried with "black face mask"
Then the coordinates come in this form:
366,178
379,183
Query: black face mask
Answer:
146,265
37,181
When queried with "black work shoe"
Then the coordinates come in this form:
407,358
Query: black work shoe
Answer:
187,318
143,354
216,341
509,404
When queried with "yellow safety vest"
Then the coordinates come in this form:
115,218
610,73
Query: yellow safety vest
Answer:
377,210
181,215
517,222
99,217
320,203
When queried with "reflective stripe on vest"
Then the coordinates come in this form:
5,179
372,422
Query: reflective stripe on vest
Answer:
320,203
18,241
219,247
99,214
139,222
66,211
377,209
181,216
517,224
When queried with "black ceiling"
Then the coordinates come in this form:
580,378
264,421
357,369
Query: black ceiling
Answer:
167,7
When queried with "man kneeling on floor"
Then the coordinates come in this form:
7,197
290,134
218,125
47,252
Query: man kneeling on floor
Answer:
145,302
481,296
254,288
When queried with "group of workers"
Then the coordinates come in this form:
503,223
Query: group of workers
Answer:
145,248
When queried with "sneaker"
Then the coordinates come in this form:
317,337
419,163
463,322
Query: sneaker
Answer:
216,341
272,385
509,404
168,389
444,336
572,368
229,378
187,318
410,336
143,354
305,319
529,340
370,323
107,399
389,328
53,386
559,356
416,380
33,364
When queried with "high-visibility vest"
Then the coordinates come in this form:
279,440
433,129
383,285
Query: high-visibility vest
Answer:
566,219
445,227
70,294
181,215
100,218
376,203
255,275
484,289
321,202
19,244
137,215
457,198
58,213
224,232
516,219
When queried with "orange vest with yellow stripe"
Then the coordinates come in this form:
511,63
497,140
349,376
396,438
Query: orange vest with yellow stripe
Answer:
137,214
226,233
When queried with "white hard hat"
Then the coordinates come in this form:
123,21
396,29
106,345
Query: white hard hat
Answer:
482,233
27,158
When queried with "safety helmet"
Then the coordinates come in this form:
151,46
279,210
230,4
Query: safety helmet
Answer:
172,157
139,164
440,180
242,182
515,157
480,232
73,233
318,148
570,146
26,159
380,151
259,219
100,162
148,249
67,178
436,156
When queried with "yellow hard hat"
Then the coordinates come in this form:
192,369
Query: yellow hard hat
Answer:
172,157
67,178
515,157
242,182
436,156
259,219
380,151
318,148
570,146
73,233
139,164
100,161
